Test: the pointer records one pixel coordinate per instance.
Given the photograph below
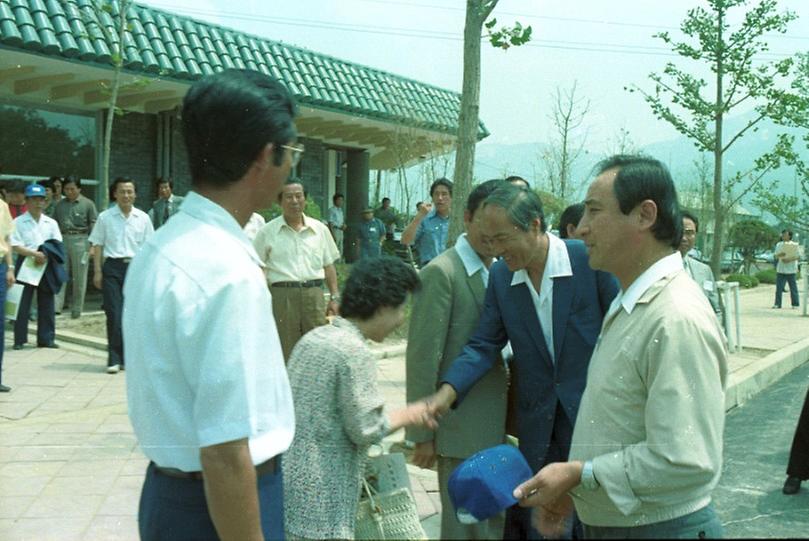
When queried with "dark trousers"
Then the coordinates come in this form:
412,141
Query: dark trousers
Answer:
702,524
46,316
799,456
3,270
780,282
174,509
518,519
112,289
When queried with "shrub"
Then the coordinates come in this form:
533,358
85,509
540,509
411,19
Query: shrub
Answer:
766,276
744,280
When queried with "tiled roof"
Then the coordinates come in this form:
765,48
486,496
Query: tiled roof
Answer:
163,44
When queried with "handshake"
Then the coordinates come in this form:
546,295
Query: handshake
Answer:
425,412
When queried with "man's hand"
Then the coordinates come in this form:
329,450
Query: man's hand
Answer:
549,485
40,258
97,279
424,454
425,209
442,400
554,521
414,414
10,277
332,309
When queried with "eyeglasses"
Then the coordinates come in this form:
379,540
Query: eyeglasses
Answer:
296,151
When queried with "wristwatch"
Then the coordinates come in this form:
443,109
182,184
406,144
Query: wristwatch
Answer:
588,478
334,298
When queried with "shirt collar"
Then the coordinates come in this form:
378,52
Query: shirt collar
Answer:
205,210
659,270
304,219
470,259
557,265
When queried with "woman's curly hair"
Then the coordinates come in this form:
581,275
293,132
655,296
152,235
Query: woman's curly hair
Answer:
376,282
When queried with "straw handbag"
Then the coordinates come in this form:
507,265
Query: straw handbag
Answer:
389,515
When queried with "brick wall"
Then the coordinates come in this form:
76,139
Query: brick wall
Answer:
312,170
180,173
134,154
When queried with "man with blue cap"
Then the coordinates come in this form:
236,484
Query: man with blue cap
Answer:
32,230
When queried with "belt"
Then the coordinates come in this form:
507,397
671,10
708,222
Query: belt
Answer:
308,283
266,467
121,259
75,232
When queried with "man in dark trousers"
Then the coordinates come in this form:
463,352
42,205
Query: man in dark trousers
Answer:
798,468
117,236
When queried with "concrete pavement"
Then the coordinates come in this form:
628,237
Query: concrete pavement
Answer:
70,467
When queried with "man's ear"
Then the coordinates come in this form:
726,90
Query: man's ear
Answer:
647,214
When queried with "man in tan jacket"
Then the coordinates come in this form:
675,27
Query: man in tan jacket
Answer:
647,446
445,314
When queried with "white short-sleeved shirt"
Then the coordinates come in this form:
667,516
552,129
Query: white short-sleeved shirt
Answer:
31,234
295,256
121,236
203,359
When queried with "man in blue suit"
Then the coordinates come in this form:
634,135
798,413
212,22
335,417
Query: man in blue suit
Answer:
545,299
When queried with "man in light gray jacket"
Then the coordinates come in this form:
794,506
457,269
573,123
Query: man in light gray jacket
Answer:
699,271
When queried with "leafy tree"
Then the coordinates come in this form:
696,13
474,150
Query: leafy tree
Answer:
751,237
698,110
477,13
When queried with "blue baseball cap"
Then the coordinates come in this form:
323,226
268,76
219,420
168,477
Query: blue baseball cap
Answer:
483,484
34,190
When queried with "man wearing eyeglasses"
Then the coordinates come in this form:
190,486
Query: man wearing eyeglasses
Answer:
299,253
700,272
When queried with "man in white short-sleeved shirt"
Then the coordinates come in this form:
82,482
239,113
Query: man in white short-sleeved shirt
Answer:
208,393
300,253
31,230
117,236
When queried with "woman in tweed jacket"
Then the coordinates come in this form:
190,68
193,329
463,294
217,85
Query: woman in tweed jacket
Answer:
339,412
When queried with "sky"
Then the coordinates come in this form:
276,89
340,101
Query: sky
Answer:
602,46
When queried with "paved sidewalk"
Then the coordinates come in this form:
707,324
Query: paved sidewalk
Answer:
70,467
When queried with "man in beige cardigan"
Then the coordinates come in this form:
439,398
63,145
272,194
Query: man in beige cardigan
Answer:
445,314
647,445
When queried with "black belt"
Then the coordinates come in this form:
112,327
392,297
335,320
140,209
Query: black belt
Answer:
308,283
75,232
120,259
264,468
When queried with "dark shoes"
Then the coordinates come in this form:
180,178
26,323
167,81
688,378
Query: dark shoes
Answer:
4,388
792,485
52,345
17,347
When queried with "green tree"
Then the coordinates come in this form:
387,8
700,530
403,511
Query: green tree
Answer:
477,13
740,79
751,237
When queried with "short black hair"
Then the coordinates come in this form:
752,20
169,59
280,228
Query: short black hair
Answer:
75,179
16,185
788,232
336,196
445,182
686,214
164,180
640,178
481,192
376,282
517,178
570,216
122,180
386,199
228,118
522,206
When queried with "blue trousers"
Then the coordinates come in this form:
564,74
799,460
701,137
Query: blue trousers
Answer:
780,282
173,509
702,524
46,316
3,270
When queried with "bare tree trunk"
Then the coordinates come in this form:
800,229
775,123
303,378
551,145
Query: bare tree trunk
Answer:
719,215
476,13
378,188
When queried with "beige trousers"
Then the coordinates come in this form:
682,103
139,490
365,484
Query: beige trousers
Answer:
450,527
297,311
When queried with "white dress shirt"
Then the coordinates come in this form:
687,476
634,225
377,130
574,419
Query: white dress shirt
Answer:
203,358
295,256
31,234
119,235
556,266
471,260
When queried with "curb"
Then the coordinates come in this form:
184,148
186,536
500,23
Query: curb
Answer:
755,377
390,351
